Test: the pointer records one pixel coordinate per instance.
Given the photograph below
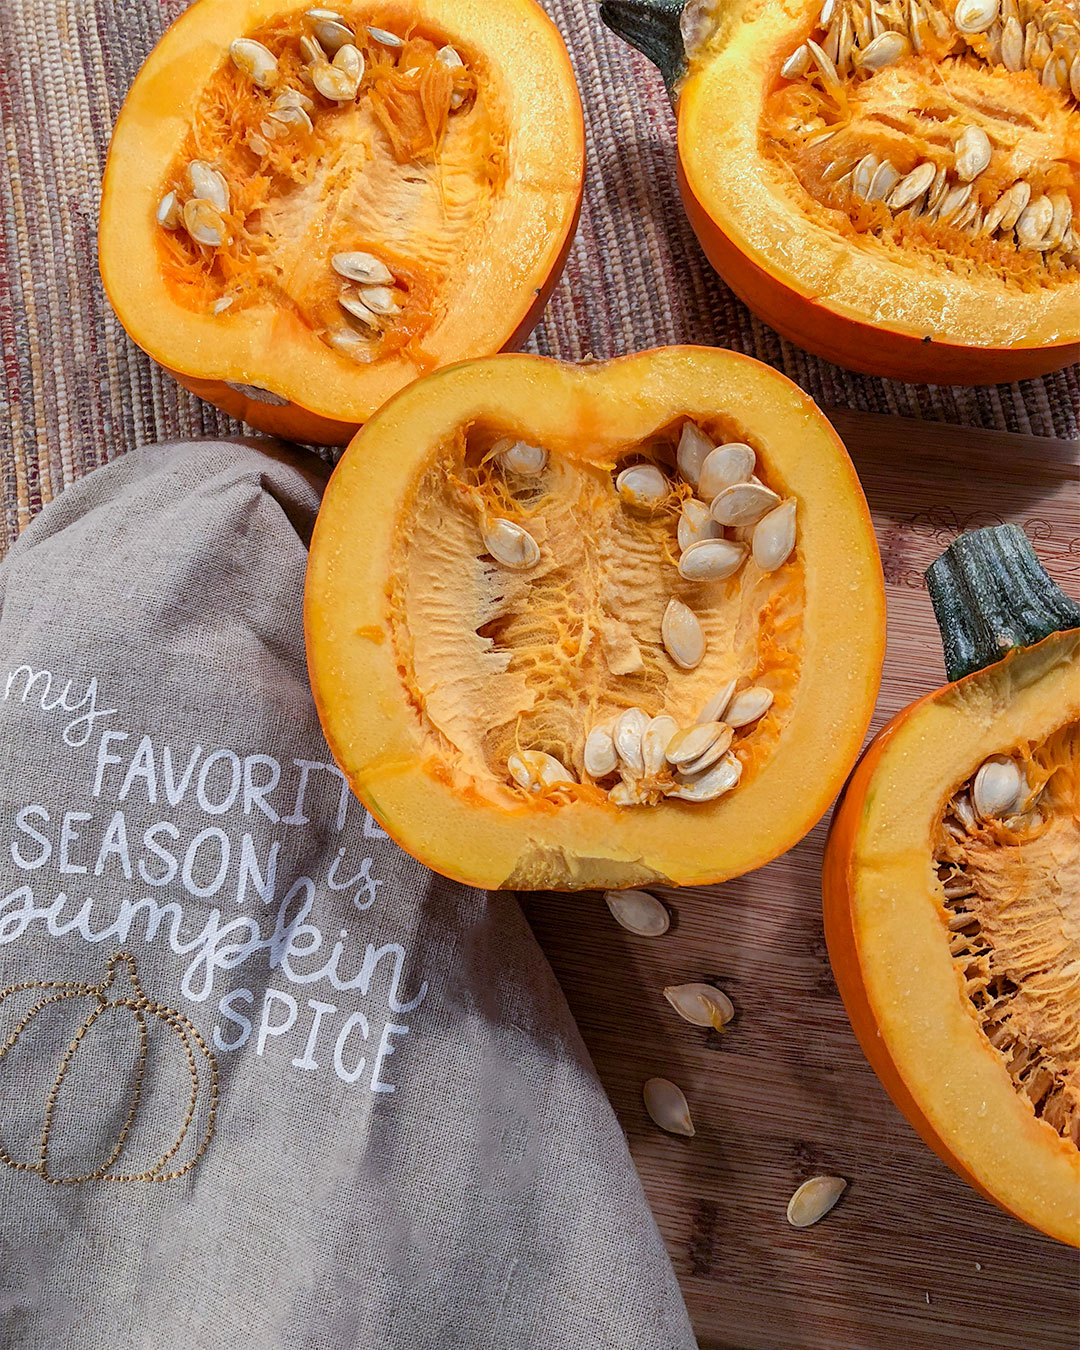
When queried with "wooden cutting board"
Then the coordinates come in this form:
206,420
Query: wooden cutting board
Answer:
911,1258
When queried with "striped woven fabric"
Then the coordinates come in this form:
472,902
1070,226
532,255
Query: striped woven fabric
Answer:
75,392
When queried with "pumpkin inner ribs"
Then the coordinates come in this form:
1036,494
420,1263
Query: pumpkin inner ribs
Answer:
497,661
1012,892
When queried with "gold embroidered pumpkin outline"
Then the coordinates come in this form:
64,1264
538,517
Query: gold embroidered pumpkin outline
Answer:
142,1008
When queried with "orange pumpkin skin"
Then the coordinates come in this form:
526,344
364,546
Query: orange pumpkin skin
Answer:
315,395
873,350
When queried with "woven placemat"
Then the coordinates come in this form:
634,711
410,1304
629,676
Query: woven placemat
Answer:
75,392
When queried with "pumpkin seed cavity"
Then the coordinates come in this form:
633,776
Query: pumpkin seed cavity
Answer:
1008,865
337,170
586,646
946,127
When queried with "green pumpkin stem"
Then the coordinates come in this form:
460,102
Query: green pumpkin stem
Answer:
991,595
652,26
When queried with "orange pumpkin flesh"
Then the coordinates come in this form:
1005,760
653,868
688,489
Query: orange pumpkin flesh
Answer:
431,665
966,1001
765,167
464,181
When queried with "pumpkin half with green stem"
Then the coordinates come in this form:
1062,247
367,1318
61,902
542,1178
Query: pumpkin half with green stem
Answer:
952,888
892,186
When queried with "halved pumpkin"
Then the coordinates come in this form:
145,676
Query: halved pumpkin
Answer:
894,187
305,209
952,888
546,656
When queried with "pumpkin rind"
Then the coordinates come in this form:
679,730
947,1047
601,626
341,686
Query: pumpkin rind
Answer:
370,721
884,919
493,298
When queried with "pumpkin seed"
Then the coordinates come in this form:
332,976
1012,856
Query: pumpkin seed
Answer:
824,62
385,38
973,153
975,16
748,705
714,710
333,83
1017,197
208,185
798,63
511,544
694,447
600,756
912,186
696,524
203,223
449,58
938,189
707,786
349,342
688,744
702,1005
1055,74
726,466
638,912
536,771
886,176
354,305
864,175
682,635
813,1200
332,35
255,61
712,560
998,786
314,16
170,215
743,504
667,1106
953,201
1062,215
1012,44
361,267
709,757
310,50
885,50
627,733
828,9
221,305
642,485
380,299
519,457
291,117
774,536
257,144
964,812
654,743
1034,221
629,794
1074,77
351,60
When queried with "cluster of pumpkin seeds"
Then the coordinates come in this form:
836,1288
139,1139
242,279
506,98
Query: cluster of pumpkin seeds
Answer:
654,757
703,1005
999,809
856,38
333,69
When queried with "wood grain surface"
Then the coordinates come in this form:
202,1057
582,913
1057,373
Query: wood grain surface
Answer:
911,1258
